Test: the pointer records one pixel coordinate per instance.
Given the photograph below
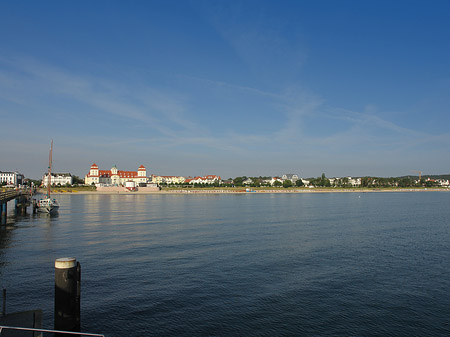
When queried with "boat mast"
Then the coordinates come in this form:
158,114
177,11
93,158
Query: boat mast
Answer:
49,180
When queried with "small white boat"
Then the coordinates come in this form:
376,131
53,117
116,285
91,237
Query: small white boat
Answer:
48,205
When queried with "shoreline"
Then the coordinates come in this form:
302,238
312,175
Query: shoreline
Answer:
226,191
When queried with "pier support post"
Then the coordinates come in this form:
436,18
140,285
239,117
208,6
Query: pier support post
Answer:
16,205
4,208
21,205
67,294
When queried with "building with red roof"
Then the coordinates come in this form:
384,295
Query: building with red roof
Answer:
115,176
208,179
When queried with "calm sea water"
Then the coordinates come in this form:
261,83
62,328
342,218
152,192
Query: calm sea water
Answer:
332,264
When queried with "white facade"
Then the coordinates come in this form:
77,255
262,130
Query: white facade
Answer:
274,179
291,177
443,182
354,181
11,178
168,179
58,179
209,179
114,176
247,181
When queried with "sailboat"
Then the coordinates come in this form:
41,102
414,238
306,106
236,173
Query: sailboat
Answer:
48,205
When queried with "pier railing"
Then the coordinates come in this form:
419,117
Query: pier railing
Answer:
6,195
49,331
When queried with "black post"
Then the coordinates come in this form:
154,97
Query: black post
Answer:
67,294
4,302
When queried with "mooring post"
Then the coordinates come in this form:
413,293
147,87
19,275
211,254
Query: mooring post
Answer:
4,302
67,294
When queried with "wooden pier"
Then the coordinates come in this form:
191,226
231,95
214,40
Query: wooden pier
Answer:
22,199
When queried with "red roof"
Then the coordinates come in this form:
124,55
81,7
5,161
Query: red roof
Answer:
104,173
107,173
127,174
212,177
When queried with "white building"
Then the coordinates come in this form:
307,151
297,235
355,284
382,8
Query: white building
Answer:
443,182
168,179
291,177
347,181
275,179
354,181
247,181
11,178
209,179
58,179
115,177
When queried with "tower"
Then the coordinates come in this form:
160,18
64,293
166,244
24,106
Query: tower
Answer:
94,170
142,171
114,170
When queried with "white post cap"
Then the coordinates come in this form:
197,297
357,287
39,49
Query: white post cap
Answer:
65,263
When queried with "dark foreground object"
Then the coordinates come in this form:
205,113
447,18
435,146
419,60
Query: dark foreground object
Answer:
67,294
26,319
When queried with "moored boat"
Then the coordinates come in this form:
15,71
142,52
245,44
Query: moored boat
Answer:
48,204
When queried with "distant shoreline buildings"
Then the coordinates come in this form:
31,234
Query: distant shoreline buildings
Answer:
11,178
141,178
58,179
115,177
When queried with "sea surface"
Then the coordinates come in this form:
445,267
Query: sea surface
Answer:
313,264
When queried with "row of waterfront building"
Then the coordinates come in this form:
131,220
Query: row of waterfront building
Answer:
11,178
116,177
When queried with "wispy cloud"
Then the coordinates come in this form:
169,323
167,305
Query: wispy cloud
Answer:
171,123
146,106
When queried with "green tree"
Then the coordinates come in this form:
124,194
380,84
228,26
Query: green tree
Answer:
277,183
299,183
431,183
366,181
322,181
287,183
77,180
238,181
346,182
405,182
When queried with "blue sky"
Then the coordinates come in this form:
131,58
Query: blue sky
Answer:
226,87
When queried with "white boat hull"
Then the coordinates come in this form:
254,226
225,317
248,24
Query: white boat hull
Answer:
47,205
